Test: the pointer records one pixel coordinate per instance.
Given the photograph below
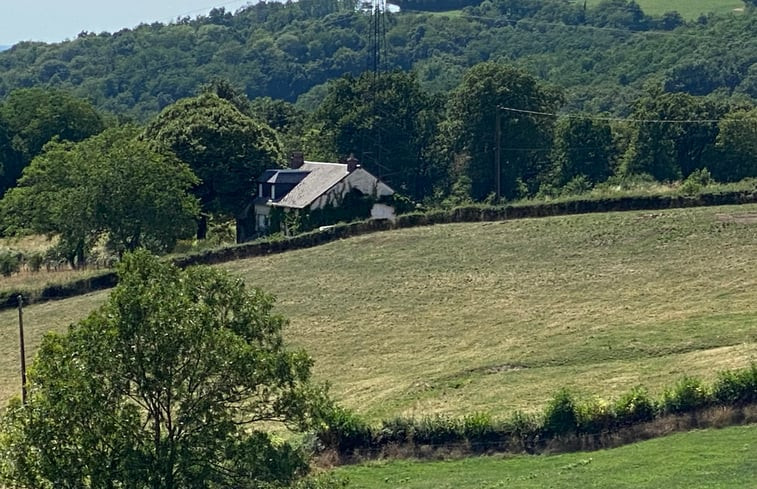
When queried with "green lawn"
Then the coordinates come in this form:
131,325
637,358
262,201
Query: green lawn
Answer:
702,459
498,316
689,9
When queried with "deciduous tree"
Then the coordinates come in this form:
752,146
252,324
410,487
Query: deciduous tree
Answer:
34,116
735,154
673,133
388,122
165,386
110,185
583,146
526,137
225,148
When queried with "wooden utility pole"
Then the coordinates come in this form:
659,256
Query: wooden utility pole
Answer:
23,349
498,152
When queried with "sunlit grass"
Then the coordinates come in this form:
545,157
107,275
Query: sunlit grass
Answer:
498,316
713,459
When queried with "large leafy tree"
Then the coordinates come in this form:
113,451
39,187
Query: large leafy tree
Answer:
224,147
487,91
583,147
165,386
388,122
8,157
735,155
673,134
111,185
33,117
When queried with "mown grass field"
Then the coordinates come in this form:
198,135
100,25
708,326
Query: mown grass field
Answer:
498,316
701,459
689,9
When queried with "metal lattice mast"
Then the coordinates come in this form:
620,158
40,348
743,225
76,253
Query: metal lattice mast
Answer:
378,36
372,143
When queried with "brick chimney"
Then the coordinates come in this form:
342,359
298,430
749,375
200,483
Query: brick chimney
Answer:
352,164
298,159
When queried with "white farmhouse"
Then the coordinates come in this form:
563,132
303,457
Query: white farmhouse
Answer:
310,185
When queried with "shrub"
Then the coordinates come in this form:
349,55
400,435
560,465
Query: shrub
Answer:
687,395
634,407
35,261
695,182
578,185
344,430
480,431
437,430
397,430
523,425
478,426
560,414
736,388
10,263
595,415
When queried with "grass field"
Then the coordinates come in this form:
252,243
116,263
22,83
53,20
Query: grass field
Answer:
702,459
689,9
498,316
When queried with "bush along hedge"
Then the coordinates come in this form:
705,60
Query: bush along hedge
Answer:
566,423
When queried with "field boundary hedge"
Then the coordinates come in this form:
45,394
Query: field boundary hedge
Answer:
472,213
566,423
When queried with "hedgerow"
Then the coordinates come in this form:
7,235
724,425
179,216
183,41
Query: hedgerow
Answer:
564,416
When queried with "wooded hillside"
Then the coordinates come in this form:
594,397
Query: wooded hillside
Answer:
604,55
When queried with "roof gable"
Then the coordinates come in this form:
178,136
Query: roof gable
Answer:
319,179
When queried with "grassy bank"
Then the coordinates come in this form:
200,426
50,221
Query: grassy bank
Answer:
497,317
712,458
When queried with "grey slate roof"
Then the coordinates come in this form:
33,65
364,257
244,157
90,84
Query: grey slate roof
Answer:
320,178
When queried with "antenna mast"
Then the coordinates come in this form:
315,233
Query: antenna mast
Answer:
377,65
378,36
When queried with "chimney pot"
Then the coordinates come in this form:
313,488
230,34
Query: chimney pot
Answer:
352,164
298,159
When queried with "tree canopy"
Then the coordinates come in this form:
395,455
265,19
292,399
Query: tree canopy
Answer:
225,148
165,386
525,137
111,185
388,122
674,149
603,53
584,147
29,118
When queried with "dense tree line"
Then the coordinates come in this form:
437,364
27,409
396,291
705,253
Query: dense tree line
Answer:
501,133
604,56
440,134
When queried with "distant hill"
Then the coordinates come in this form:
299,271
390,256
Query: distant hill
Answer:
604,56
3,48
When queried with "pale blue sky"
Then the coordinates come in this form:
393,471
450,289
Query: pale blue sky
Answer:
56,20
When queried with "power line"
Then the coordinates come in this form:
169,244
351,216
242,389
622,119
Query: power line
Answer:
618,119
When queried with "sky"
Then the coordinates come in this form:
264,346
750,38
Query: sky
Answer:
57,20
